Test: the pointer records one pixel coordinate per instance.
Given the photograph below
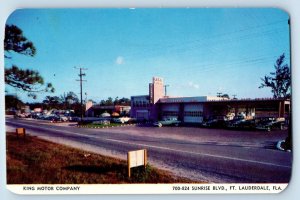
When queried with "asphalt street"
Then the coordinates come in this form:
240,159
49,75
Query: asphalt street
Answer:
210,155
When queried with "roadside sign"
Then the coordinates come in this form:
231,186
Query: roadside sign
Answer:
136,158
20,132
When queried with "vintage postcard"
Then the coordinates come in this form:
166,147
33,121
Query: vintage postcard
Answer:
148,101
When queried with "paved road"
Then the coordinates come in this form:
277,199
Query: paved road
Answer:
220,156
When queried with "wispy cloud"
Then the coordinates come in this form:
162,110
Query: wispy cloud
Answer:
190,84
193,85
221,89
119,60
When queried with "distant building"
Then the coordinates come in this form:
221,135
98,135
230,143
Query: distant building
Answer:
95,110
155,106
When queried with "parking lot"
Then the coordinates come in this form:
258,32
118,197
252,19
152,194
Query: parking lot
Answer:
253,138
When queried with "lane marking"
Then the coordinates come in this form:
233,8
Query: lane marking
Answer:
157,147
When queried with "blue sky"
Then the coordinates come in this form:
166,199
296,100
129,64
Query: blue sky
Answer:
197,51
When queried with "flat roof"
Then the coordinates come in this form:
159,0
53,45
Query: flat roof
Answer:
202,99
189,99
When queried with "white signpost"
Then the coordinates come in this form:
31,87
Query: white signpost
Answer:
136,158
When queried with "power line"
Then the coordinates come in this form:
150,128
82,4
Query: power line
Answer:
261,30
230,33
222,38
215,51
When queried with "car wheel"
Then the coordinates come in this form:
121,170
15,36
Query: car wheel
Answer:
177,125
281,127
159,125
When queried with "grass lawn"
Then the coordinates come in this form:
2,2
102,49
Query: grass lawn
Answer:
101,125
36,161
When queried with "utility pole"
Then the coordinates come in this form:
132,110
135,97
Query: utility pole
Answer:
219,94
234,96
81,80
166,89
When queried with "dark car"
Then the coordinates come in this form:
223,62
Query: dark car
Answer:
270,123
242,124
216,122
235,122
54,118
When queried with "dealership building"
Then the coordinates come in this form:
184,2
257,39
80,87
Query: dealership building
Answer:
156,106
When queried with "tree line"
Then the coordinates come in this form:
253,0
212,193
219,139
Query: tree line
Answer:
110,101
66,101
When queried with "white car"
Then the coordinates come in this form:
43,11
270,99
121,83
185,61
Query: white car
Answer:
63,118
167,122
122,120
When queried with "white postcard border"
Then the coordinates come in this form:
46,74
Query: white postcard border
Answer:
50,189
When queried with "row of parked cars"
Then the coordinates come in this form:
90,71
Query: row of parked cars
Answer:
239,122
108,120
54,117
65,117
261,123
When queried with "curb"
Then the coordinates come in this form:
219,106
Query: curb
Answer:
279,146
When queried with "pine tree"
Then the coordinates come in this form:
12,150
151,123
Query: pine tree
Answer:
27,80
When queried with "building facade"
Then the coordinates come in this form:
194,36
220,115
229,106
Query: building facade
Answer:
156,106
144,107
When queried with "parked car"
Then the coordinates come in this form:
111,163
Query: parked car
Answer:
234,123
242,124
35,115
270,123
41,116
218,121
20,115
121,120
132,121
53,118
23,115
167,122
63,118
